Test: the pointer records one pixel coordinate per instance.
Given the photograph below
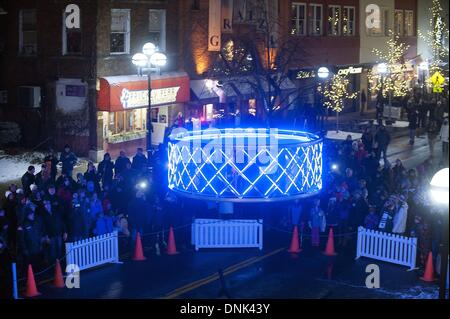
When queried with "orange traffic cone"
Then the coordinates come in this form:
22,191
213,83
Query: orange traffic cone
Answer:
295,242
58,282
329,250
171,246
138,251
31,284
429,269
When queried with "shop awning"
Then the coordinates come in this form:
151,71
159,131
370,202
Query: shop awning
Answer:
119,93
201,93
247,86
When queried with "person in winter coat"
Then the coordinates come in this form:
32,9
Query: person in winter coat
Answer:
4,224
443,136
413,118
28,179
121,163
43,178
68,160
371,220
12,215
95,208
382,138
91,175
31,239
77,220
400,218
56,231
367,139
387,217
295,212
103,224
317,222
51,160
138,211
139,161
106,170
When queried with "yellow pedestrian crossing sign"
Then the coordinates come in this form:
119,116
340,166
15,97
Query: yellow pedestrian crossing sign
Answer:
437,78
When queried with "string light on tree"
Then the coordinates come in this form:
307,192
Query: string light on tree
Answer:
336,94
395,81
437,36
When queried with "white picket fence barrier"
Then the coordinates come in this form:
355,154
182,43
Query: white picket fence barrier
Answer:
234,233
93,251
387,247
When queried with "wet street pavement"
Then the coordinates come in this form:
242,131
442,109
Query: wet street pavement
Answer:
250,273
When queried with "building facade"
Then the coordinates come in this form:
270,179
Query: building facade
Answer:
79,86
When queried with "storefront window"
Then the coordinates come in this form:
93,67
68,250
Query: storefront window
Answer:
208,110
252,107
127,121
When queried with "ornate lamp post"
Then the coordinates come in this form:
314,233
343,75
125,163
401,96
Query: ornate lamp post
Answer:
152,60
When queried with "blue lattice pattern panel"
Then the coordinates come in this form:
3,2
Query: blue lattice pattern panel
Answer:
292,169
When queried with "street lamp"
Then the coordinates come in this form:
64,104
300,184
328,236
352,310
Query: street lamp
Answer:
153,60
322,73
382,69
439,191
424,68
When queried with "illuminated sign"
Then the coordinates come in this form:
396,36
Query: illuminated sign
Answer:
214,25
305,74
350,70
134,99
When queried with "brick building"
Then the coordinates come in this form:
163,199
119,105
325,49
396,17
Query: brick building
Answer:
70,85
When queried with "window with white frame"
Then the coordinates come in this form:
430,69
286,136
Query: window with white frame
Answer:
315,19
348,21
298,25
71,38
334,20
385,21
27,32
157,28
398,22
409,23
120,31
383,29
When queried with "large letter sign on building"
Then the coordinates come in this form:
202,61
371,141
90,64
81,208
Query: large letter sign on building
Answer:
214,25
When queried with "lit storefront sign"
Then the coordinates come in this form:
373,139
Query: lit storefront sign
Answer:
134,99
350,70
120,93
305,75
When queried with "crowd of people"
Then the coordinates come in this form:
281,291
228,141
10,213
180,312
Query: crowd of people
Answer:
360,191
51,208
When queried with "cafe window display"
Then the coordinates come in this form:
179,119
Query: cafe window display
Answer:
125,125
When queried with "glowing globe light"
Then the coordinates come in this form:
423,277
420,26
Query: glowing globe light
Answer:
149,48
439,187
140,60
382,68
323,72
250,165
158,59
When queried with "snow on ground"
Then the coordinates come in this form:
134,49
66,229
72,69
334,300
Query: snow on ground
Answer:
342,135
12,167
